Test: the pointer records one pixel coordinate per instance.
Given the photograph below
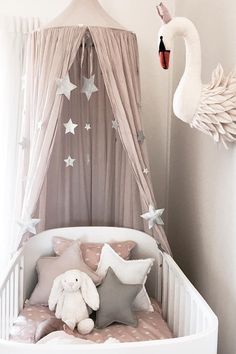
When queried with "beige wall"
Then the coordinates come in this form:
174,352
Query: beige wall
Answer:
142,19
202,195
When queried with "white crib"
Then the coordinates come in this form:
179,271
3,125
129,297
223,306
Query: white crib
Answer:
192,321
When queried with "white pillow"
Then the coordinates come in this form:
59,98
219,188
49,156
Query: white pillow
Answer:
129,272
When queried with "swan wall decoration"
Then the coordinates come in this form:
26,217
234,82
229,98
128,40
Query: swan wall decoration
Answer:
209,108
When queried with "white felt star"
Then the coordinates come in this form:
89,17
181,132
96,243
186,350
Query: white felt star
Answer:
65,86
153,217
141,137
89,87
69,161
28,225
70,127
146,171
87,127
115,125
24,143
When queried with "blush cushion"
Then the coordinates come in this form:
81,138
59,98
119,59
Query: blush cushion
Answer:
91,252
48,268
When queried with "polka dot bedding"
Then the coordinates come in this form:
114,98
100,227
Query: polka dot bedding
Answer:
151,326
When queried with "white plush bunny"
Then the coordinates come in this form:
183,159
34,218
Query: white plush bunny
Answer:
70,293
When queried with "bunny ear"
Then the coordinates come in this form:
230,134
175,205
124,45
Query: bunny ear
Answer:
56,292
89,292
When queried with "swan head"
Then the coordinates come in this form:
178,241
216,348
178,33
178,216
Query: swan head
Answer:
167,33
171,28
165,37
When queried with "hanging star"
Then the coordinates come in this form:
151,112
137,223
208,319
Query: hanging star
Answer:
146,171
141,137
29,225
115,125
87,127
65,86
24,143
70,127
89,87
153,217
69,161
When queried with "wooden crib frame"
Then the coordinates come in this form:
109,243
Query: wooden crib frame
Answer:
186,312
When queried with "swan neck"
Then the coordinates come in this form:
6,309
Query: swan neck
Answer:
193,52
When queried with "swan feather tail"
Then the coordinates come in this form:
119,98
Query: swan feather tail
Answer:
216,113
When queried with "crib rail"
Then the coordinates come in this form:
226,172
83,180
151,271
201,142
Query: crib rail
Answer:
11,295
185,311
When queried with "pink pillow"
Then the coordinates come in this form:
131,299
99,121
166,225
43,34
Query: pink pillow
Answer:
48,268
91,252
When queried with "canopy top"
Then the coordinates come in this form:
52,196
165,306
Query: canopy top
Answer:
84,13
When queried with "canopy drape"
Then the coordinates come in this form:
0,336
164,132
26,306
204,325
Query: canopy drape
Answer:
14,32
50,56
100,189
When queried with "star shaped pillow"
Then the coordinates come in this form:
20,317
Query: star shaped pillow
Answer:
129,272
116,301
48,268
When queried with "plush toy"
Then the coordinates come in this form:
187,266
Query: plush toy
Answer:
70,293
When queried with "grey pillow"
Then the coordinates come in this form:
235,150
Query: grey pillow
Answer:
48,268
116,301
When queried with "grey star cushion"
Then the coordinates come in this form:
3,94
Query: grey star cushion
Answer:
116,301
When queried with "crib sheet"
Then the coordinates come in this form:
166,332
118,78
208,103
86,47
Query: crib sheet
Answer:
151,326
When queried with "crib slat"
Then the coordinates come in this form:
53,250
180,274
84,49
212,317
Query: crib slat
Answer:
194,314
181,312
200,320
21,284
165,289
159,280
16,292
3,314
171,299
176,307
187,311
7,308
12,299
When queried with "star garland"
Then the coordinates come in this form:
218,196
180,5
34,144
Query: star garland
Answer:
153,216
87,127
65,86
89,87
70,127
70,162
141,137
28,225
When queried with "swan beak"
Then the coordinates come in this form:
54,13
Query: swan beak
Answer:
164,54
165,59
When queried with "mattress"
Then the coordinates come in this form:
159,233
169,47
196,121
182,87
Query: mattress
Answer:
151,326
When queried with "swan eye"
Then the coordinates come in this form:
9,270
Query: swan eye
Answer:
76,279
